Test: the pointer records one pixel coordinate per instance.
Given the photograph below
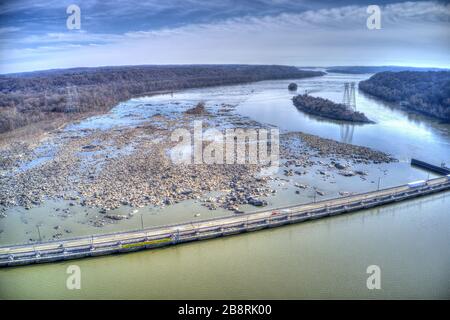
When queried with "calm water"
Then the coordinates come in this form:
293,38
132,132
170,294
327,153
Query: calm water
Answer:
322,259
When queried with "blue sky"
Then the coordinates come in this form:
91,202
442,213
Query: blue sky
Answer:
33,33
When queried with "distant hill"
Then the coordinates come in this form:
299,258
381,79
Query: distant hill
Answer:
32,97
376,69
424,92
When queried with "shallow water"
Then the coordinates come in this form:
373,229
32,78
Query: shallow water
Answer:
323,259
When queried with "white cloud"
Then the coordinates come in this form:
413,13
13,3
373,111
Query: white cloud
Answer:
8,30
412,33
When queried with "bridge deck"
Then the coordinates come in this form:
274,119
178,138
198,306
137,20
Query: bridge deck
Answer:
177,233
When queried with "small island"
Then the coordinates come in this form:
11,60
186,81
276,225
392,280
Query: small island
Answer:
292,87
328,109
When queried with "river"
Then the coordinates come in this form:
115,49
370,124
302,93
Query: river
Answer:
322,259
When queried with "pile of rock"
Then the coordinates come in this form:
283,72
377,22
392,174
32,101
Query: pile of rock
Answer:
199,109
330,148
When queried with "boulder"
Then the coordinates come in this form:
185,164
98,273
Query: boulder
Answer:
292,86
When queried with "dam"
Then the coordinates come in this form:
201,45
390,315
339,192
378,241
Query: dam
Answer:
122,242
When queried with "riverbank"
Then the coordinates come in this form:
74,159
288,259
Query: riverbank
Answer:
425,92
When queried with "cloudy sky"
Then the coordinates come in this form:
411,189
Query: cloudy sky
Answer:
34,36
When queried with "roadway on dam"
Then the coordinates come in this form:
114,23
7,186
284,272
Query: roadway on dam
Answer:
178,233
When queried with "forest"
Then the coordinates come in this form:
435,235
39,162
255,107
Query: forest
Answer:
424,92
32,97
376,69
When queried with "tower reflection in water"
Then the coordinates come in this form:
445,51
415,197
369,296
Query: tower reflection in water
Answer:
347,131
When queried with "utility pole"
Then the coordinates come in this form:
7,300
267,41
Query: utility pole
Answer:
379,181
72,100
142,222
39,233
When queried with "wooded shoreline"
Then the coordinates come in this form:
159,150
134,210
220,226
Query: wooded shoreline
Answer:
30,98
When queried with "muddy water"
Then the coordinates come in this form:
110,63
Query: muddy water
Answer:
322,259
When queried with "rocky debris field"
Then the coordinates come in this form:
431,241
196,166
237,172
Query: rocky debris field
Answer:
126,167
130,166
303,145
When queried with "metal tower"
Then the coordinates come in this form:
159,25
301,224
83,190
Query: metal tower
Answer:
72,99
349,95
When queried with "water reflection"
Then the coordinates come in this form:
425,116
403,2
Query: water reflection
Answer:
347,132
402,134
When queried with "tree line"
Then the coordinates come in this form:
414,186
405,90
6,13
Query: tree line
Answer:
424,92
35,96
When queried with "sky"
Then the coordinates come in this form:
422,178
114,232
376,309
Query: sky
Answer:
34,35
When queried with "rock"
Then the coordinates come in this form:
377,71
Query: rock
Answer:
292,86
199,109
99,224
339,166
88,147
256,202
115,217
347,173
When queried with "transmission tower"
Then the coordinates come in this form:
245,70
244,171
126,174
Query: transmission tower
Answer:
45,99
349,99
72,99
